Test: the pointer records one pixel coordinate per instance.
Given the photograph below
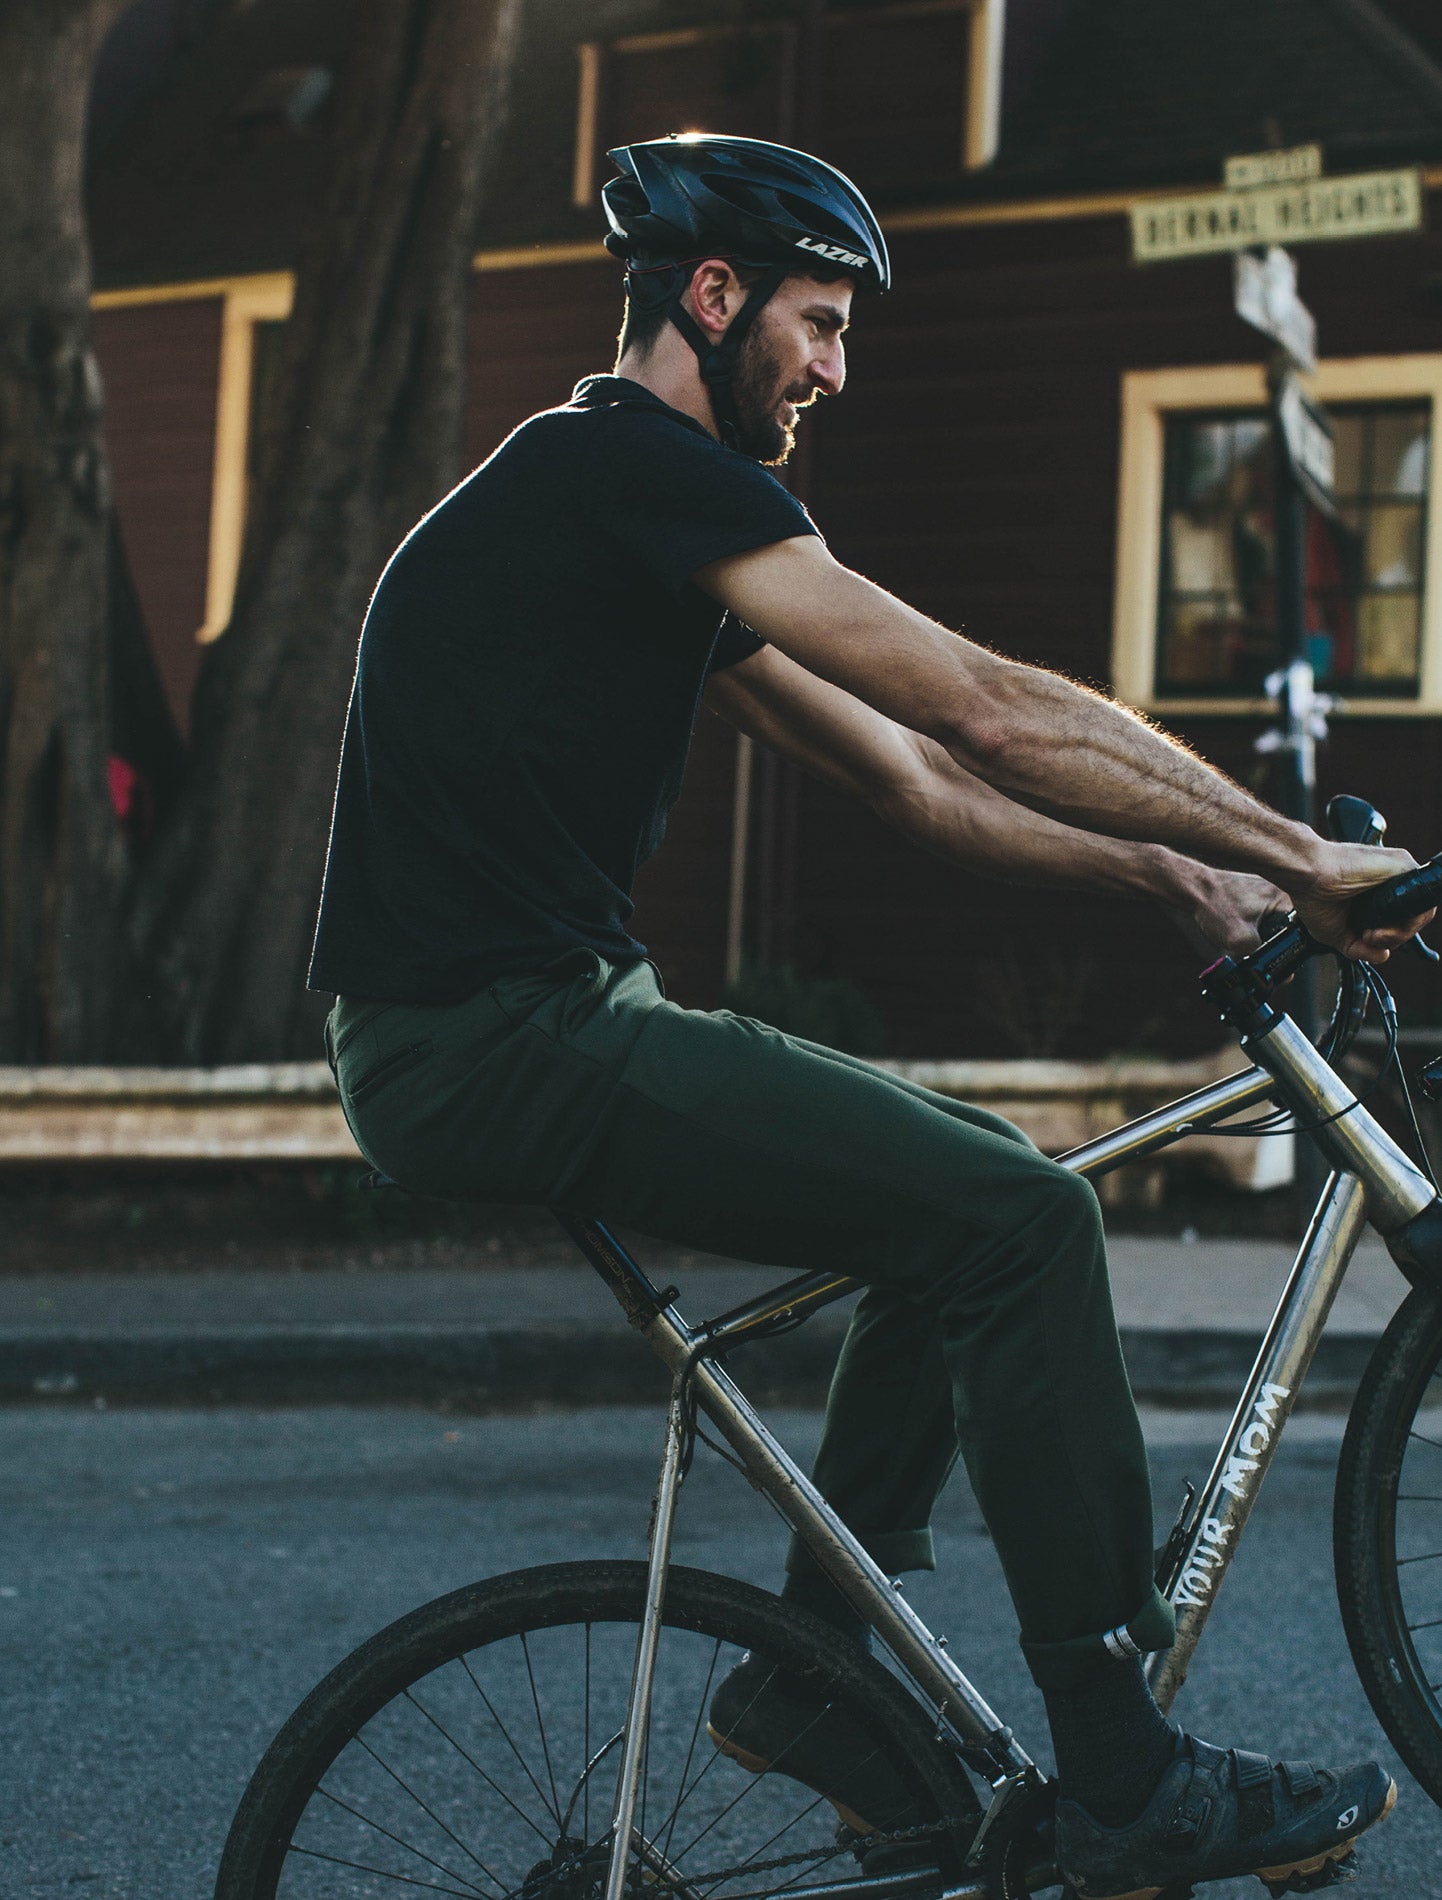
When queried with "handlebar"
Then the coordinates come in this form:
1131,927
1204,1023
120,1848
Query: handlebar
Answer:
1287,945
1400,899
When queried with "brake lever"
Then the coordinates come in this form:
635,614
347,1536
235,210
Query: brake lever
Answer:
1423,949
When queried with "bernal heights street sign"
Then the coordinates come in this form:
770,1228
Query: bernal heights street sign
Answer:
1363,204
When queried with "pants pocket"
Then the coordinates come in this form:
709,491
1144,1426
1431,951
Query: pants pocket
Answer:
394,1063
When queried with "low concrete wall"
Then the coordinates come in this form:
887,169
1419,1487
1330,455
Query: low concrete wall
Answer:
289,1112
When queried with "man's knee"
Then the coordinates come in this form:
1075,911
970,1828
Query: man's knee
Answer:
1066,1198
1054,1233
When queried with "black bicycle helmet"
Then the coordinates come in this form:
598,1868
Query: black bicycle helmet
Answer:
682,199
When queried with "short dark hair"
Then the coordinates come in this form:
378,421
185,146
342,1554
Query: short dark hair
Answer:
640,327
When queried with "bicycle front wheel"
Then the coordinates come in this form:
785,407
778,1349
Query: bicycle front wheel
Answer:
471,1749
1387,1533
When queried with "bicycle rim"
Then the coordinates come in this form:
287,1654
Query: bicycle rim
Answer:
471,1749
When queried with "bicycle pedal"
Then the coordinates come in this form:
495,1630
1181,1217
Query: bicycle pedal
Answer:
1335,1873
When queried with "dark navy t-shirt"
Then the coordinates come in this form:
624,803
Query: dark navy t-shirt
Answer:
529,675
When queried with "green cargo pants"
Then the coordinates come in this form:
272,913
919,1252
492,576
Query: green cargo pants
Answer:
987,1323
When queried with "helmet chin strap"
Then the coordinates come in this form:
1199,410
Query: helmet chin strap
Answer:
718,360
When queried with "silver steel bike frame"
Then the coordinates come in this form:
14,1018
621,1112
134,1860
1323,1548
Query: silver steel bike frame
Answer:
1373,1182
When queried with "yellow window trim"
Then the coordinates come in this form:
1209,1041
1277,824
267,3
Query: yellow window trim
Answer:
983,85
260,300
1147,398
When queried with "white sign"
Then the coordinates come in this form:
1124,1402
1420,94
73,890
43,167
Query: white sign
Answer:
1292,167
1365,204
1308,430
1265,295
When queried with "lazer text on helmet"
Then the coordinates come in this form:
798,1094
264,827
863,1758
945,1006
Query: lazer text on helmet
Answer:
833,253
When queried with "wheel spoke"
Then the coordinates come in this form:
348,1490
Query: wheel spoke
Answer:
773,1768
685,1794
541,1726
336,1860
449,1798
702,1707
425,1808
468,1886
1431,1624
1426,1557
490,1782
1423,1439
465,1663
785,1828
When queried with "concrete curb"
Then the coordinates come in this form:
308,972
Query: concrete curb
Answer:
517,1368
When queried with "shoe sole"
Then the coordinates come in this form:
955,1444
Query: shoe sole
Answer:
758,1765
1285,1870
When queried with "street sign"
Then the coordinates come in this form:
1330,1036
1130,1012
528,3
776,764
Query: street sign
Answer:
1291,167
1307,431
1265,294
1364,204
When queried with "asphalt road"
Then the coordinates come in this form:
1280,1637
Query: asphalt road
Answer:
171,1583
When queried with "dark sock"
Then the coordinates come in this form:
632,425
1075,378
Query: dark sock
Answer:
1113,1744
809,1590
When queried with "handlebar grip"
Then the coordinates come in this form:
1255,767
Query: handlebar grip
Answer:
1400,900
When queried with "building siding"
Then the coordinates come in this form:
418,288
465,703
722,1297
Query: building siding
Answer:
972,466
159,366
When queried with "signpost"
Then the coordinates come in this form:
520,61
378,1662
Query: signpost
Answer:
1264,291
1270,199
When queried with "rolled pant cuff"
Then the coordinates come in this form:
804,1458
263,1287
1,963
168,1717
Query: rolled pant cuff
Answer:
895,1551
1068,1664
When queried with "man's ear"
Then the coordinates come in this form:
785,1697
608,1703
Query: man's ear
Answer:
713,296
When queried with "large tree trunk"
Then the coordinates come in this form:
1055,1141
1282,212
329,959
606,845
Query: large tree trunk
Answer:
62,858
368,437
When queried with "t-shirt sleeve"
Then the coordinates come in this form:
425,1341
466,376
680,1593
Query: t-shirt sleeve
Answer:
734,643
676,500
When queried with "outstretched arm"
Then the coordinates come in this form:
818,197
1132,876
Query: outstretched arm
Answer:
1038,737
915,785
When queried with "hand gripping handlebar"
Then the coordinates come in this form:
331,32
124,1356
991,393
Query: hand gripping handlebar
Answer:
1400,899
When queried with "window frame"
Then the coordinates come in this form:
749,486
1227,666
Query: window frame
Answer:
981,105
1148,397
248,301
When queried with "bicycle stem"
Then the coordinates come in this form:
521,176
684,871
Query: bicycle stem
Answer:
1402,1204
1350,1137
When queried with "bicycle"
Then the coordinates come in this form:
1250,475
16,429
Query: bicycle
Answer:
548,1734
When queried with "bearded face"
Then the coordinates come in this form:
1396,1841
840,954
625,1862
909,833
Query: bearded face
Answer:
768,396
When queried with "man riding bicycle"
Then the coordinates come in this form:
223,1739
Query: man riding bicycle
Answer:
529,674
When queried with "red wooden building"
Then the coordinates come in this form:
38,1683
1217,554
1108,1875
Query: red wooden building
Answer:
1041,442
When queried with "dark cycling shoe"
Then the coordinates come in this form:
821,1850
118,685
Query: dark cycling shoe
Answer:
1218,1813
767,1719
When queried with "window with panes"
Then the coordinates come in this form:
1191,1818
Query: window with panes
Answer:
1217,619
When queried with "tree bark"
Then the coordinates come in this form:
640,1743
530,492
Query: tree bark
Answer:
366,437
62,858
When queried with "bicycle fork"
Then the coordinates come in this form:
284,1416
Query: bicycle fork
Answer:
643,1668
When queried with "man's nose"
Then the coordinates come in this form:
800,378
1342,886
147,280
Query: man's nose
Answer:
828,370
